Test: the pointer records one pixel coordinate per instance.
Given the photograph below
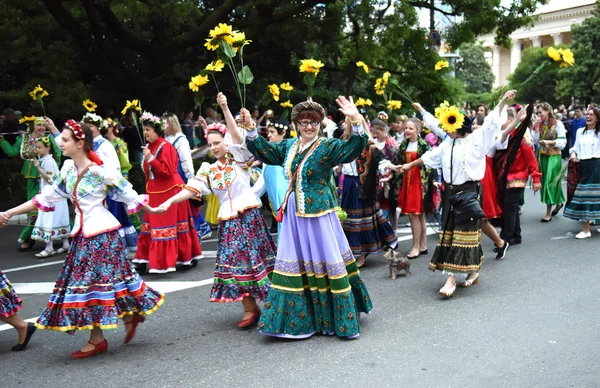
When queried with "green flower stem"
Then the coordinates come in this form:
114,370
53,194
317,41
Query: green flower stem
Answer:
535,72
237,82
216,84
41,101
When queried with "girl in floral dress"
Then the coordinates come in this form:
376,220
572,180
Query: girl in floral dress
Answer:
50,226
246,251
97,284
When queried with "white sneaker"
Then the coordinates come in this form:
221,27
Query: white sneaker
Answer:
598,230
582,235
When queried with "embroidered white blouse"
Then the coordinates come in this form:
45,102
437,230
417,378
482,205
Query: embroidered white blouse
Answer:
107,153
587,144
230,182
468,157
182,146
88,192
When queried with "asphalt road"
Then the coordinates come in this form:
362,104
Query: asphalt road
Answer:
532,321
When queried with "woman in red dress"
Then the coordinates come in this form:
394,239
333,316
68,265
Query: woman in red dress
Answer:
167,240
414,186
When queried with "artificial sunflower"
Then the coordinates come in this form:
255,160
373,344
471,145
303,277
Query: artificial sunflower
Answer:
38,92
441,65
364,66
133,105
216,66
440,110
380,85
89,105
310,66
239,40
274,90
286,86
363,102
452,120
553,54
567,58
287,104
198,81
394,104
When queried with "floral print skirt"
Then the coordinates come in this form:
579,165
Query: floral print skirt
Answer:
10,302
245,258
96,286
316,286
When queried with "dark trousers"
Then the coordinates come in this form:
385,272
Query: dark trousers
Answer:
511,226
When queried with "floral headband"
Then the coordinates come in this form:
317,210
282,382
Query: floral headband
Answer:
75,127
218,127
277,125
92,118
155,121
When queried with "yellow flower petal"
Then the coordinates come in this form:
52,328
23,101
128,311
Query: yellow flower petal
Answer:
394,104
553,54
441,65
216,66
286,104
286,86
363,65
452,120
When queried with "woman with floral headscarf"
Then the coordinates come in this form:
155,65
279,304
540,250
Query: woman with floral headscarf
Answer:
25,147
167,240
316,287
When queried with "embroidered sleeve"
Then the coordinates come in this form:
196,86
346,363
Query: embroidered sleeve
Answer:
54,192
119,189
200,183
345,151
269,153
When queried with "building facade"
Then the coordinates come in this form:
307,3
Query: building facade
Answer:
553,27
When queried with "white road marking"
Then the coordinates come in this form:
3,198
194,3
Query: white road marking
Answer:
32,266
46,288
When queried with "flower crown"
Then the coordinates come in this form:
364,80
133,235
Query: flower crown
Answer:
149,118
222,128
92,118
277,125
75,127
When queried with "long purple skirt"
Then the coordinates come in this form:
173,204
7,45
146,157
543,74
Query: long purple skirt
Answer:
316,286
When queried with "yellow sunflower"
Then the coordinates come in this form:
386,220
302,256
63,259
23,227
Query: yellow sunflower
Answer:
287,104
364,66
567,58
380,85
197,81
216,66
363,102
133,104
440,110
274,90
222,32
38,92
89,105
394,104
26,119
286,86
310,66
441,65
452,120
553,54
238,40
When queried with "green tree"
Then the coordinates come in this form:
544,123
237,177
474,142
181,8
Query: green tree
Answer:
543,86
113,50
583,79
474,70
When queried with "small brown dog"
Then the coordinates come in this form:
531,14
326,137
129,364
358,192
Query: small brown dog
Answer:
397,263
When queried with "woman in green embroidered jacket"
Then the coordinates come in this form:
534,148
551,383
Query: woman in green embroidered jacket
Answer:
550,134
25,147
316,285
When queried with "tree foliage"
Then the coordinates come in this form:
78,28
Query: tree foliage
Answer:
113,50
583,80
474,70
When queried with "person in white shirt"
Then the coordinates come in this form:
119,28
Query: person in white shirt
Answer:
462,159
97,284
585,204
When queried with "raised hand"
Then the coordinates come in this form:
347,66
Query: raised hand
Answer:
246,118
222,101
418,107
348,108
202,122
509,95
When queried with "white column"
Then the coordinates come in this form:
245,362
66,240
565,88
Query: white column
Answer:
557,38
536,41
496,66
515,54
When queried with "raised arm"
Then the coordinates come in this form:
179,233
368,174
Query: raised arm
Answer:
521,116
430,121
229,119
